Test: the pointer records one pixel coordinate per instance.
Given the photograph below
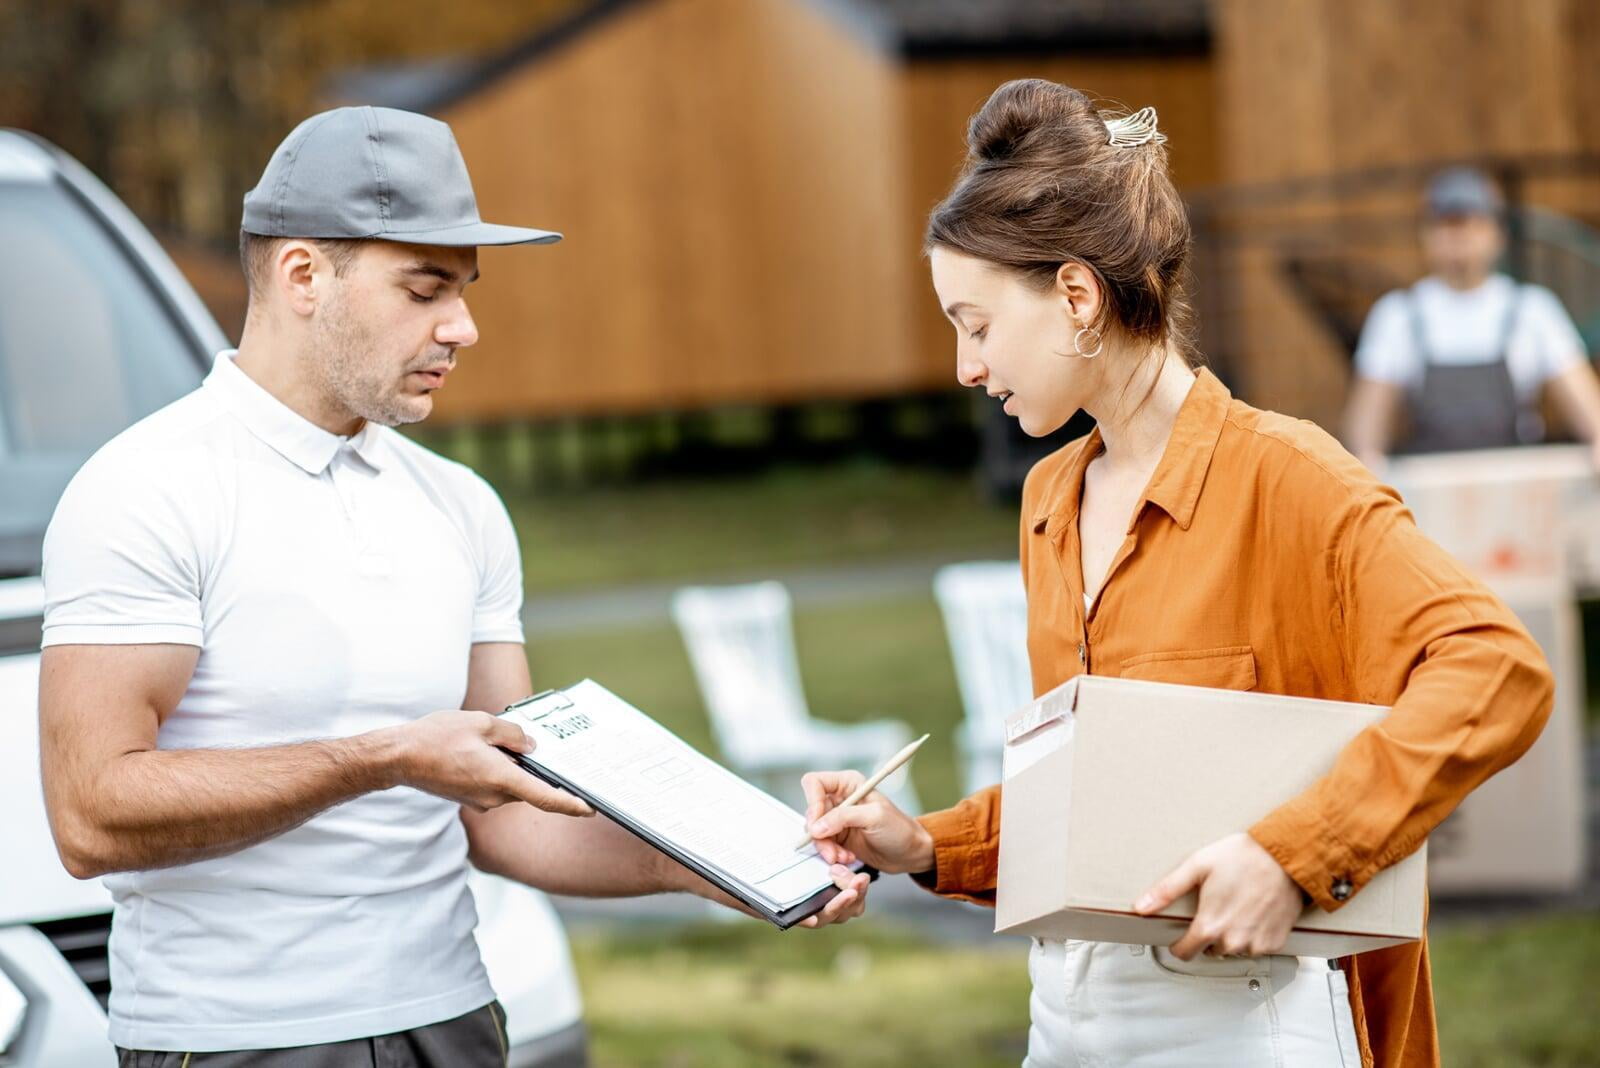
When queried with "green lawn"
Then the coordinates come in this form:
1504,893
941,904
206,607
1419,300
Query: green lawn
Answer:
1512,995
1521,993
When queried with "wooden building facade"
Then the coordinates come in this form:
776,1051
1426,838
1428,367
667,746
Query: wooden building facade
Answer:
743,185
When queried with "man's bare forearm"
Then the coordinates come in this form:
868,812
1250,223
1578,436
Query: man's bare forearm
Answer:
579,858
157,808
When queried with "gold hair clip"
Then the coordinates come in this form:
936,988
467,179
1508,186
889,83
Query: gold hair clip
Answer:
1131,131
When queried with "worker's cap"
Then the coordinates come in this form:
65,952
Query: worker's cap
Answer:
1461,191
374,173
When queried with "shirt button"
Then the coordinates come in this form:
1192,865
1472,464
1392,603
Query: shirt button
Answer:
1255,984
1083,654
1341,889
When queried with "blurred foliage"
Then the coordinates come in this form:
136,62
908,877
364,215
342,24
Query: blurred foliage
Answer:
177,104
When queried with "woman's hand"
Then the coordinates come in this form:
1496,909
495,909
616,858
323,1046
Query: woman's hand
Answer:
1248,903
873,829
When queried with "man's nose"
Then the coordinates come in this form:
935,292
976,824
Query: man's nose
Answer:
459,331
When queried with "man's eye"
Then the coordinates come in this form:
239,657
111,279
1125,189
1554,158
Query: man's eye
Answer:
420,298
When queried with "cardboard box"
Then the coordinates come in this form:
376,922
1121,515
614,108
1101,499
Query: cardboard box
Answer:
1111,783
1508,514
1523,831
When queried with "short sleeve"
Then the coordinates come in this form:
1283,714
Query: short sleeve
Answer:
497,615
121,563
1387,351
1557,343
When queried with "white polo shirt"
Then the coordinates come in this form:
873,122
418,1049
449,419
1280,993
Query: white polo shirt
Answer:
333,586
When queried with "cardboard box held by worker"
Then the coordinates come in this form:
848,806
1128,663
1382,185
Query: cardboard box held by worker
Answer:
1523,831
1111,783
1508,514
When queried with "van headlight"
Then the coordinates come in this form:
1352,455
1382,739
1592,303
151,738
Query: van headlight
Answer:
13,1008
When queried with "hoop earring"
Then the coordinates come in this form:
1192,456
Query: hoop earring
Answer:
1077,342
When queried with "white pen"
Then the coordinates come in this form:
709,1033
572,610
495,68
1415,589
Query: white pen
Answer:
894,764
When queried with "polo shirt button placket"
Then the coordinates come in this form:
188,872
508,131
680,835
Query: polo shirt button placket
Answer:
370,559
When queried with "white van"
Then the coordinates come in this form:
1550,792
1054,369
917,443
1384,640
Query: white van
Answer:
97,330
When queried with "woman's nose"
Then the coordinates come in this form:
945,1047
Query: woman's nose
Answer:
970,371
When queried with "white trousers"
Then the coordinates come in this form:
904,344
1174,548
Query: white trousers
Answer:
1104,1004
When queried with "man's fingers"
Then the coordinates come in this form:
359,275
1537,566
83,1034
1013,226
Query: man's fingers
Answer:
842,876
1185,877
535,793
840,907
508,735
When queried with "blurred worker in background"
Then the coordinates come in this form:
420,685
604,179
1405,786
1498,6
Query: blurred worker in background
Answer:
1466,352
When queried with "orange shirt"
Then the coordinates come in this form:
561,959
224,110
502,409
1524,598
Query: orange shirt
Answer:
1263,556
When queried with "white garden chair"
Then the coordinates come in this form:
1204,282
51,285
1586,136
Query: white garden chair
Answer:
741,645
986,617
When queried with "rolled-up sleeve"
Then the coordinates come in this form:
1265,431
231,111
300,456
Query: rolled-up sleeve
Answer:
966,848
1470,692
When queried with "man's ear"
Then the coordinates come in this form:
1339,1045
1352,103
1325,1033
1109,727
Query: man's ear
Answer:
297,273
1079,287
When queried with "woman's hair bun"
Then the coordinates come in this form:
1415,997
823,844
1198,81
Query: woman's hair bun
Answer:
1021,113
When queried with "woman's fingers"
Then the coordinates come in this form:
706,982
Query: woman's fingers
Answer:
864,816
1185,877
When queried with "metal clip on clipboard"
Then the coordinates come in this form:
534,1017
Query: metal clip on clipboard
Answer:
559,702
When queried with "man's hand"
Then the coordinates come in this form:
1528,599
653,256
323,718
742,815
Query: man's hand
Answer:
456,755
873,829
850,902
1248,903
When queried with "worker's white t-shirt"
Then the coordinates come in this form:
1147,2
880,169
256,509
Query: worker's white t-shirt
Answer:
1469,327
333,587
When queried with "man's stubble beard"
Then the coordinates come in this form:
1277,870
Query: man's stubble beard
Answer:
351,372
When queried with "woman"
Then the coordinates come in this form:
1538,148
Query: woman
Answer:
1194,539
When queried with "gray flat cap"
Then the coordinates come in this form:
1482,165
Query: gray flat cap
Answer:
374,173
1462,191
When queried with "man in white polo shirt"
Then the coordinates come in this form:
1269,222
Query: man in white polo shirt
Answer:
268,618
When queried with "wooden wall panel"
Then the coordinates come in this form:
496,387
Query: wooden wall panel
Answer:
727,173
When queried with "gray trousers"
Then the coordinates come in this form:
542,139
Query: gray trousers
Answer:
476,1040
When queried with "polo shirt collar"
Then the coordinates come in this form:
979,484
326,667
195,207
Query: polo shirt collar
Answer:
284,430
1179,477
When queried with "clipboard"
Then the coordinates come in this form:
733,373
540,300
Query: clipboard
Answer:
556,700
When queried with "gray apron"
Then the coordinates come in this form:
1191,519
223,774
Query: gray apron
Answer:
1467,406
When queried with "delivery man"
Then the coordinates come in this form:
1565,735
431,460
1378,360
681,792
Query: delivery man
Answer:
1467,352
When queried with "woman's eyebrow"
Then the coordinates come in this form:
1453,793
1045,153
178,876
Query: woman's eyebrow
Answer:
959,306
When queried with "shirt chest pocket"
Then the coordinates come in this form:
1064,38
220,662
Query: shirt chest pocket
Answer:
1229,667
